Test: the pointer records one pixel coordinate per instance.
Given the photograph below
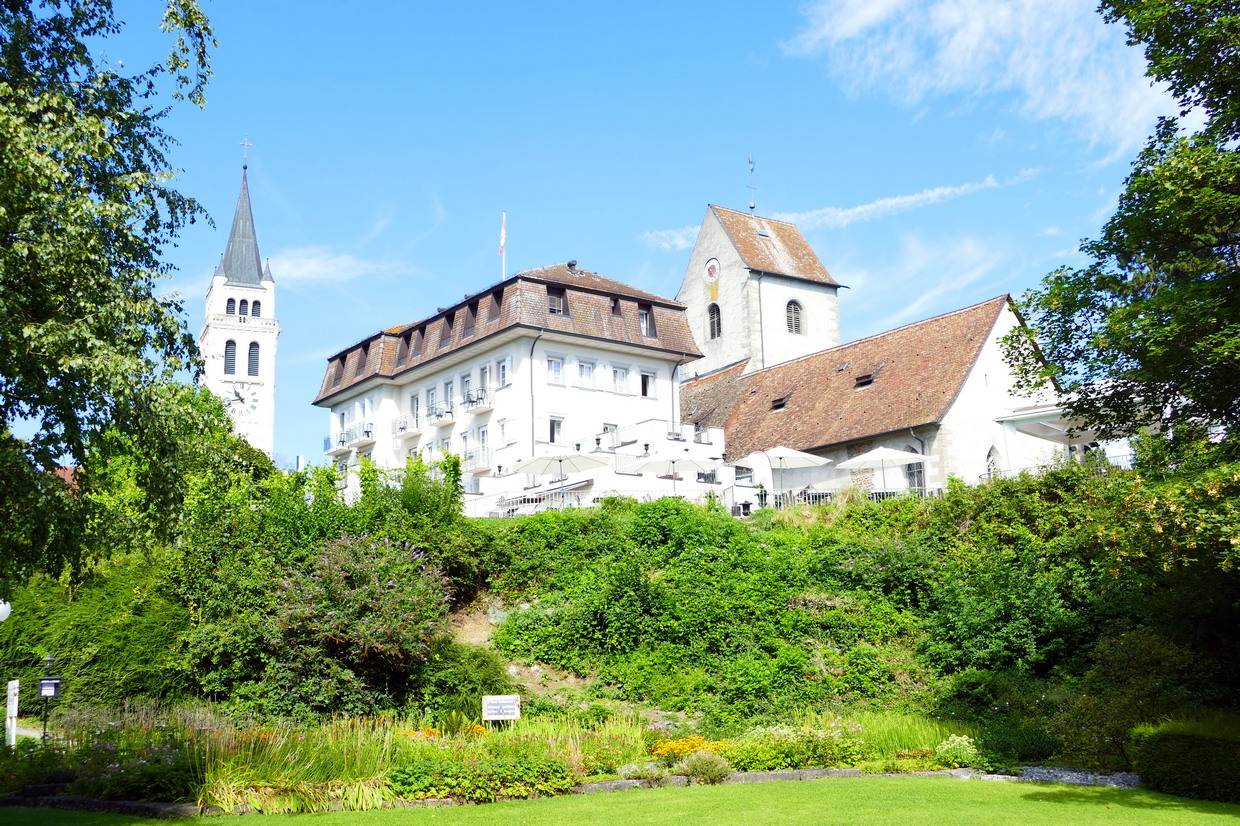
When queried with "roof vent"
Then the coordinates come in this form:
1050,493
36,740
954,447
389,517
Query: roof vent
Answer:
780,403
763,234
842,367
866,380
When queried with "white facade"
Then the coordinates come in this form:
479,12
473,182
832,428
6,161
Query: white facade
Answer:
737,312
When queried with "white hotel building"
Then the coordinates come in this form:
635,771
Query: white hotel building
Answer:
549,361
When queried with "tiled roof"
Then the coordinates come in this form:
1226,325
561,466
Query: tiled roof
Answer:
915,373
772,246
520,301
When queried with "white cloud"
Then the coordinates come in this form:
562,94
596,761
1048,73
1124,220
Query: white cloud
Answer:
1057,57
671,240
307,265
832,217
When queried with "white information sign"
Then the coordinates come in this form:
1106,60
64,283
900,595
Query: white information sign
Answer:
501,707
10,713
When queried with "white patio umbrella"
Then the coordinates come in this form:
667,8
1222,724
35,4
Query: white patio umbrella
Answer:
784,458
879,457
558,463
670,463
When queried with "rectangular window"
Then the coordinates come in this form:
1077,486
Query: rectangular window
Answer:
419,338
466,385
555,371
483,441
556,430
557,301
445,332
413,407
447,394
645,319
503,369
648,385
484,377
497,303
432,399
471,313
503,431
585,374
620,379
615,306
362,357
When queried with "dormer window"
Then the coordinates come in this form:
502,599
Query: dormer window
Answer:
497,303
402,353
557,301
419,338
471,313
362,357
865,380
645,319
781,402
445,332
615,306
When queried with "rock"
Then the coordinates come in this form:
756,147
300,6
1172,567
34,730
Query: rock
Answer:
611,786
762,777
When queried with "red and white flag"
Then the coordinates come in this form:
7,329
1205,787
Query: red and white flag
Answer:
503,231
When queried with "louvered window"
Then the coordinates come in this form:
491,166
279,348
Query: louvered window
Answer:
715,321
230,357
794,317
230,307
245,307
256,309
252,365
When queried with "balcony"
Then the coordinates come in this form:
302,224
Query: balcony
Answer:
336,445
478,401
406,427
441,415
476,460
361,434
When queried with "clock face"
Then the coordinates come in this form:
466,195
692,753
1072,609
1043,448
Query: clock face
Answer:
241,397
711,271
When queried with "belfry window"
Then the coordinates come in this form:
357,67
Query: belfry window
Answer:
794,317
256,309
230,306
714,321
252,364
230,357
245,307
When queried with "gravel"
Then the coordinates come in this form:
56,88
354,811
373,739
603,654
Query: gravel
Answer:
1072,777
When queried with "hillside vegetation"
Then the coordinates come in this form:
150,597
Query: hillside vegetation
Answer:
1054,611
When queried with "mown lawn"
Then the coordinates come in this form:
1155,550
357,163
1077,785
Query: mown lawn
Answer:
906,801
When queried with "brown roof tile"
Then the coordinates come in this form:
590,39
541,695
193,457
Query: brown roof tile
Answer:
772,246
916,371
522,301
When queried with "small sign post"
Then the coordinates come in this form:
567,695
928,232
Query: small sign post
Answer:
10,713
501,707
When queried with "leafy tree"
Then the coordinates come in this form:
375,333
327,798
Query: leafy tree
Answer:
1149,333
85,212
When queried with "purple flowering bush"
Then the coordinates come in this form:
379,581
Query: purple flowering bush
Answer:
350,629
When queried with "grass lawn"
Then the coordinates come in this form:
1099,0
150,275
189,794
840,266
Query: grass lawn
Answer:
905,800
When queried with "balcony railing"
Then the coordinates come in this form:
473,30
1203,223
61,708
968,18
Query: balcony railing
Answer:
336,445
361,434
406,427
477,401
476,460
440,415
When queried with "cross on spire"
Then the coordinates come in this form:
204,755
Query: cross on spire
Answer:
245,151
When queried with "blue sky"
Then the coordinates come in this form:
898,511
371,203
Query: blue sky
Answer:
935,152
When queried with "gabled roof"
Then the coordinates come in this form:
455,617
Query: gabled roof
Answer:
241,263
767,245
903,378
518,302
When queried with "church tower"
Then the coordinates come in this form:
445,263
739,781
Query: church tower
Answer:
238,336
755,290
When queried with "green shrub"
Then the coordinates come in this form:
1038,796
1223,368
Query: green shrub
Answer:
704,767
1201,760
785,747
482,781
957,750
1017,743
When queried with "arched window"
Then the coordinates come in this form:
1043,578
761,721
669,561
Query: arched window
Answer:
230,357
993,463
245,307
253,363
715,322
256,309
915,473
231,306
794,317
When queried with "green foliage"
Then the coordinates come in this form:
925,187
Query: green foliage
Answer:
87,344
704,767
786,747
457,675
957,750
1195,758
482,781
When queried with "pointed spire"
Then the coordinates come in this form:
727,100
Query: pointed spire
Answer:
241,264
267,271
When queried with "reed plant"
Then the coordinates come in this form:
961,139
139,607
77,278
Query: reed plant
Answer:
890,733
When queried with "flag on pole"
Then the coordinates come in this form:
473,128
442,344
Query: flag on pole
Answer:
503,230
